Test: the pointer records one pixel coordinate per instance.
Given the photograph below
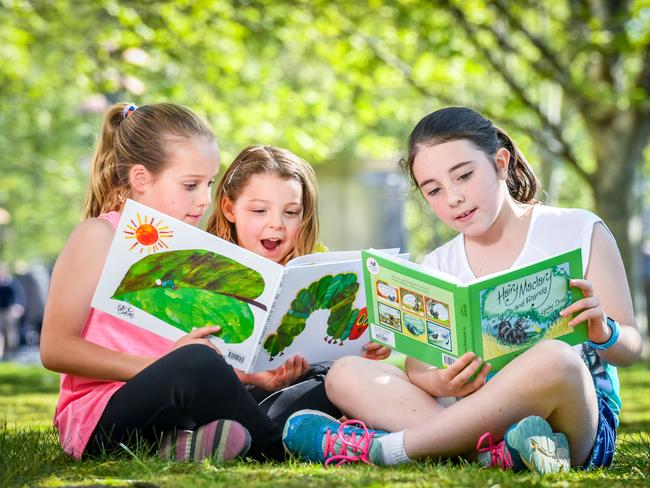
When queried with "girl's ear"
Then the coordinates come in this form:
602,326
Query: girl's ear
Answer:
139,178
227,209
502,161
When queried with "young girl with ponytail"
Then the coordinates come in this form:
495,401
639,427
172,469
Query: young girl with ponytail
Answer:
554,406
121,383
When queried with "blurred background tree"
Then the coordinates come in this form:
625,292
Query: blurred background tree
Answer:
339,83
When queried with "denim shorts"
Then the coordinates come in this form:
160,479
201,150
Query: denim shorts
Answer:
603,451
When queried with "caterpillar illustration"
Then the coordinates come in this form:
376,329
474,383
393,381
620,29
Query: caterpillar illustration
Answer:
335,293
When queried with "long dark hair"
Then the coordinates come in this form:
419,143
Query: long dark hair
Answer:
454,123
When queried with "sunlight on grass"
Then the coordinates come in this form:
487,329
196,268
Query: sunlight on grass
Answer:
30,454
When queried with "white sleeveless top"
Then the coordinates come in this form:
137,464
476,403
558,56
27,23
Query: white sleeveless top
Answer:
551,231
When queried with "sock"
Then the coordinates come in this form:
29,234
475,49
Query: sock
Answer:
389,449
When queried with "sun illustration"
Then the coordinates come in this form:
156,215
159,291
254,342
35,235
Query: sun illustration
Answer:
148,236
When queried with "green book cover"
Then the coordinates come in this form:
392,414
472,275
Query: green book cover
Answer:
432,317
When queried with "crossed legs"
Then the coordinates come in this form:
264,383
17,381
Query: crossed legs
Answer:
549,380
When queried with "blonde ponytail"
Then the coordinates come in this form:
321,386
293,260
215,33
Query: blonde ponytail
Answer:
134,135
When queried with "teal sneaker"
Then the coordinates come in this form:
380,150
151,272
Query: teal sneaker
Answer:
530,443
533,442
314,436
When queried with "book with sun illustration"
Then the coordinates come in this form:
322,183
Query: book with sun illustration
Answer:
169,277
432,317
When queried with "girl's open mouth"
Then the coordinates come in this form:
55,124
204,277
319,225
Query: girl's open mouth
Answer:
271,244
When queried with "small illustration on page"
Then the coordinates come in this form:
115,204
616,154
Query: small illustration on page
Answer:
438,335
389,316
412,302
437,311
335,293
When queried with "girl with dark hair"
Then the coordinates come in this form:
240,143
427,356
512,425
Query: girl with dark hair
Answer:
551,408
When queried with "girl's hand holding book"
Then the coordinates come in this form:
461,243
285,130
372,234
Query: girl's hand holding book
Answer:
376,351
456,380
278,378
589,309
199,336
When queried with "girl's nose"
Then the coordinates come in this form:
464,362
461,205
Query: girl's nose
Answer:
206,197
276,221
455,197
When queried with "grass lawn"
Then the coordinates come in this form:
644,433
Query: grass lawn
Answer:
30,453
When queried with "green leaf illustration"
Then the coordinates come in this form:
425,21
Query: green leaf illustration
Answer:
193,288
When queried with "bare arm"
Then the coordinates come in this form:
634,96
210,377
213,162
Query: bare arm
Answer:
607,293
74,280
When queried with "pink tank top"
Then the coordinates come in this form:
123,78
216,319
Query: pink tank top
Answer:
82,400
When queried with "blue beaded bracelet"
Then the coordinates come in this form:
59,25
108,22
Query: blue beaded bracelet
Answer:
616,332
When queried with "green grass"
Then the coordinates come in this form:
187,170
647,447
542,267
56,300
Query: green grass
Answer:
30,453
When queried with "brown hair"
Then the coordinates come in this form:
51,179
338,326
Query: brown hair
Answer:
134,135
254,160
454,123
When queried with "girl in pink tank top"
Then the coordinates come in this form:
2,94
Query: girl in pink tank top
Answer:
120,383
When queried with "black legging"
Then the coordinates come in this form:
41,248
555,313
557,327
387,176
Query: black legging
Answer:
189,387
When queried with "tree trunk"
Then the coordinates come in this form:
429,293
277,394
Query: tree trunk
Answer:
618,144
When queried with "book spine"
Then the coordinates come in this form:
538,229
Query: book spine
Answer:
257,349
464,321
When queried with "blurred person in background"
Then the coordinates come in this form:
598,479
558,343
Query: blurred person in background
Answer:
12,308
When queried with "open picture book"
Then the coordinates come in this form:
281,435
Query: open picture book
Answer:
431,316
169,277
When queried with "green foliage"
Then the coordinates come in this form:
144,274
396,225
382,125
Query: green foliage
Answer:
332,81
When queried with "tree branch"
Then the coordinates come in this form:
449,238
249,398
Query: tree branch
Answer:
559,73
643,80
394,61
565,151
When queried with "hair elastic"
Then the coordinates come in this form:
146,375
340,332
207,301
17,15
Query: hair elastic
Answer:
230,178
128,109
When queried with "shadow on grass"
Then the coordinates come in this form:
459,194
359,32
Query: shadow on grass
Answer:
29,454
17,379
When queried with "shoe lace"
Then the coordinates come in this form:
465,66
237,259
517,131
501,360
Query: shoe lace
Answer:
359,445
499,455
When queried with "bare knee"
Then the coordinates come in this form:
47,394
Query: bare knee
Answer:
560,363
354,373
343,375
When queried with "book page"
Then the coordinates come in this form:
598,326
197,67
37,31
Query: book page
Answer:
169,277
517,309
320,314
332,257
410,309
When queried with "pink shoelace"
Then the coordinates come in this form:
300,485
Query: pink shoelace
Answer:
499,455
359,445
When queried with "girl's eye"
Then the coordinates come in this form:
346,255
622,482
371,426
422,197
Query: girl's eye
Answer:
293,213
190,186
433,192
258,210
465,176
